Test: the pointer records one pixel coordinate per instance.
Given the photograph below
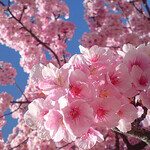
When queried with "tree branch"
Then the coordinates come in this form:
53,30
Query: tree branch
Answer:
20,144
140,11
137,146
130,27
117,141
2,3
138,120
35,37
137,132
11,111
24,7
14,102
58,148
146,6
21,91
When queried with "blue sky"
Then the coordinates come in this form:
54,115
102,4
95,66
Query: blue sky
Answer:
9,55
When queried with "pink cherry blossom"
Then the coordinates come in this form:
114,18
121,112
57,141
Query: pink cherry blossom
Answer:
135,57
7,73
70,102
78,86
144,48
127,114
76,118
117,76
96,53
1,141
79,62
51,79
54,123
145,95
105,90
89,139
5,100
36,111
105,112
141,79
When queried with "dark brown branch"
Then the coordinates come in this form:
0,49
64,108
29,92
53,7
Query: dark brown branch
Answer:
146,6
139,10
117,141
126,18
117,47
20,144
56,17
11,111
64,59
35,37
8,3
24,7
21,92
137,146
20,102
2,3
137,132
138,120
58,148
141,134
140,145
125,139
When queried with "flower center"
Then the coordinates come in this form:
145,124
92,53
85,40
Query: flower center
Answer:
75,91
74,113
101,112
143,81
114,79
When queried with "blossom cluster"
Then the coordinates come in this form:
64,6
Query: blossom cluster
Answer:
90,92
5,99
31,27
7,73
115,23
79,103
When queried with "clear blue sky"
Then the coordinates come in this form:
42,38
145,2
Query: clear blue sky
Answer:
9,55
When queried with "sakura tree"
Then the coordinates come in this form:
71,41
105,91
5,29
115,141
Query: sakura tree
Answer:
98,99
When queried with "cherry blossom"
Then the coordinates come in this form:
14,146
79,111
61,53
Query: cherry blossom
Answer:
106,114
76,119
96,99
7,73
145,97
89,139
127,114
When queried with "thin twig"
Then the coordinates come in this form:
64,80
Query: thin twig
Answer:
11,111
146,6
58,148
24,7
21,92
138,120
14,102
126,18
20,144
139,10
35,37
